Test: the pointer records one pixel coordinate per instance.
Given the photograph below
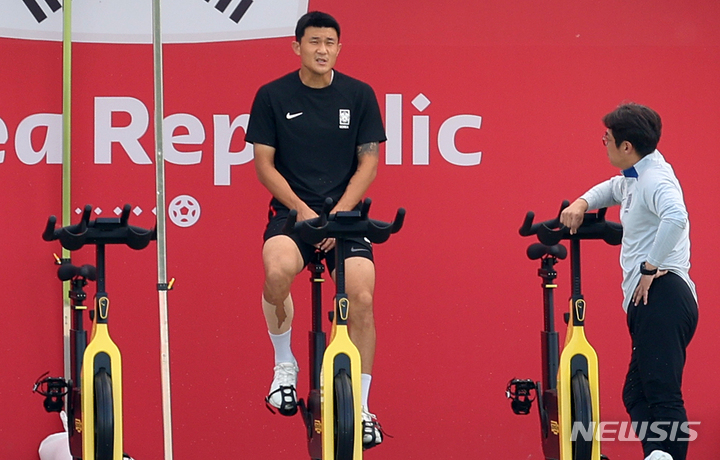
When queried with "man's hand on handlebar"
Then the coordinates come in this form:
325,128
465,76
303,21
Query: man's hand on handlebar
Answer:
572,216
329,243
326,245
306,213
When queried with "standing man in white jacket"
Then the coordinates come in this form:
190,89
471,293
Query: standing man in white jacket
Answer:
660,298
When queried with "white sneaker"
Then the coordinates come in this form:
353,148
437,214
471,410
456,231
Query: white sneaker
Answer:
283,395
372,431
659,455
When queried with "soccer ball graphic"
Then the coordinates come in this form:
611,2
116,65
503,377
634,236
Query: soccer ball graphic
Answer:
184,211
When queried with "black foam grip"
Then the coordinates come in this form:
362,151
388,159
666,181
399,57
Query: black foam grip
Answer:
67,272
399,220
49,233
290,222
527,227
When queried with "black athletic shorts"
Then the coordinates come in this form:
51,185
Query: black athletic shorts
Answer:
354,247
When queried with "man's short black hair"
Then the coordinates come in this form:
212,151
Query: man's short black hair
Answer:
637,124
315,19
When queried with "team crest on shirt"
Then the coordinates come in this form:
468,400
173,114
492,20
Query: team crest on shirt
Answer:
344,119
628,202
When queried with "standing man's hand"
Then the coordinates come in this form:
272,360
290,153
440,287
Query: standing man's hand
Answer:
641,291
572,216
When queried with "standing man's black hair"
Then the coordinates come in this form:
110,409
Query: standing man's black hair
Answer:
637,124
315,19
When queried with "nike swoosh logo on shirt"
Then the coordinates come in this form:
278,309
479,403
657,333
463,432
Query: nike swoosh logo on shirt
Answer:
290,116
354,249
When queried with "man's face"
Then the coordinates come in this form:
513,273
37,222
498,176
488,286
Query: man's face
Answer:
318,49
615,153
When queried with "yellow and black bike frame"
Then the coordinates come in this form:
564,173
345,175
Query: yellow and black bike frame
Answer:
577,357
326,361
100,359
341,360
333,412
338,361
341,355
94,404
568,395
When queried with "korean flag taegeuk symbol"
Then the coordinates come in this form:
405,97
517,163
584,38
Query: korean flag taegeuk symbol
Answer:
130,21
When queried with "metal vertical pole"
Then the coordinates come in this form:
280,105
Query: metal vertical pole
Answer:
67,91
161,248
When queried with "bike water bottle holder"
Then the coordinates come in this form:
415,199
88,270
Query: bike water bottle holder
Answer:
519,391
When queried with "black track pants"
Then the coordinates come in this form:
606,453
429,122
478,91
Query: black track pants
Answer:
660,333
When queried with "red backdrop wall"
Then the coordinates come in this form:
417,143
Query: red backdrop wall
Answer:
458,305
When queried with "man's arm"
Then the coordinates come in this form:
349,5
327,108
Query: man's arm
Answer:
572,216
666,201
276,184
602,195
368,157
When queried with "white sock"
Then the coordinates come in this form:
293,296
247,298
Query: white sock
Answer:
365,380
281,344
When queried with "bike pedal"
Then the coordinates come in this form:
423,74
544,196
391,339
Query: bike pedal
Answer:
520,392
54,389
288,406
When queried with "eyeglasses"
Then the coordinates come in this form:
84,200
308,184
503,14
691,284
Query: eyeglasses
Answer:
605,139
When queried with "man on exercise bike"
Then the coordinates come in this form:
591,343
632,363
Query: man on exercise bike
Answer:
660,298
315,134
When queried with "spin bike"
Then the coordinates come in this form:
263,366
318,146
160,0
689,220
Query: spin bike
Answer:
332,414
568,394
94,403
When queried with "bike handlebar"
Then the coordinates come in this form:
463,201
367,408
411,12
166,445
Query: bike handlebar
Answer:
99,231
593,227
344,224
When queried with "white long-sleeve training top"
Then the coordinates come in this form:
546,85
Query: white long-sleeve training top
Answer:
655,222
